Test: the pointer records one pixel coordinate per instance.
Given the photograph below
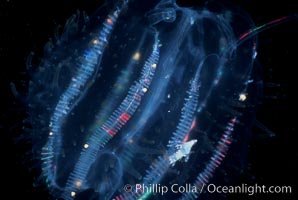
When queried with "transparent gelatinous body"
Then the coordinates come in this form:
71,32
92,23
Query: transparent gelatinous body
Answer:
148,93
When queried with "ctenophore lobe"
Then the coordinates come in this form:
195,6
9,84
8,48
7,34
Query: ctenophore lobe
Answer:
143,92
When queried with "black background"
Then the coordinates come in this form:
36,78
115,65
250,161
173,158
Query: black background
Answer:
25,26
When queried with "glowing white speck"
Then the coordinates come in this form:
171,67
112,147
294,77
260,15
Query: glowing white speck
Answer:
86,146
136,56
169,96
144,90
242,97
254,55
154,65
50,133
72,194
95,41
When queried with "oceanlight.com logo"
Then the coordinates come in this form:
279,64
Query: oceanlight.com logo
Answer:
249,189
